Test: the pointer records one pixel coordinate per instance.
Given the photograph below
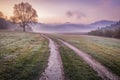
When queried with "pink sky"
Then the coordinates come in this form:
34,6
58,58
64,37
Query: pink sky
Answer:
74,11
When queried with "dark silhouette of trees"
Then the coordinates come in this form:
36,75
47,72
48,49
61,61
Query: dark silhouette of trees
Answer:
3,21
1,15
117,33
24,14
109,31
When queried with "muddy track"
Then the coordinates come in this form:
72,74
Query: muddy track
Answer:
102,71
54,69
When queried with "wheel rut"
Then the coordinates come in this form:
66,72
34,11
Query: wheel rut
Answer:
54,69
102,71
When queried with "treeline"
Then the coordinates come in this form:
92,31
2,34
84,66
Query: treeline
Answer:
109,31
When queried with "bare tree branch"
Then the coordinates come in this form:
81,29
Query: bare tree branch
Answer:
24,14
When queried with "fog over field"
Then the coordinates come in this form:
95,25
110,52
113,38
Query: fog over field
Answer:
56,28
69,27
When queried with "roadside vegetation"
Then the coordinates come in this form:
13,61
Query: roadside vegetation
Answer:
105,50
23,56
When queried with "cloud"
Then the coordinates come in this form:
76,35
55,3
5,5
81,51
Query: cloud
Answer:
110,3
75,14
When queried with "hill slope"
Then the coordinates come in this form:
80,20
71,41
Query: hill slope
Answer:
102,23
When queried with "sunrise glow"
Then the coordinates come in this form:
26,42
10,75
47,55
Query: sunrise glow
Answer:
74,11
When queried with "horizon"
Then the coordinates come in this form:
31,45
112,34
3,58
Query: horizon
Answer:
72,11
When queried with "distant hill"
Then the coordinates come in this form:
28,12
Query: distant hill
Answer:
60,28
102,23
70,28
56,28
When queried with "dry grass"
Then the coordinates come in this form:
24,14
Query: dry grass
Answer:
23,56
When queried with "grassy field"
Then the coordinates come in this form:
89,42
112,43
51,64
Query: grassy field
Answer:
105,50
74,67
23,56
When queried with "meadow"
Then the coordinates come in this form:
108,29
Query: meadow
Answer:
105,50
23,56
74,67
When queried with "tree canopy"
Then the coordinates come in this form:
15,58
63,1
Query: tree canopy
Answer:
24,14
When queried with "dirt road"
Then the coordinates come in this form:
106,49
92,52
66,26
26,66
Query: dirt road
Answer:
102,71
54,70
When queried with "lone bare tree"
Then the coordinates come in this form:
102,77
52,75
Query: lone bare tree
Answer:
24,14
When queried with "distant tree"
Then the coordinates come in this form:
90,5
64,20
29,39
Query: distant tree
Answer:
1,15
108,33
24,14
117,33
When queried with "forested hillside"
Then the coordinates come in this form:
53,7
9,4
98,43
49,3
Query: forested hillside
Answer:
108,31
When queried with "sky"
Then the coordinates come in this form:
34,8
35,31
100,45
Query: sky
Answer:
73,11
